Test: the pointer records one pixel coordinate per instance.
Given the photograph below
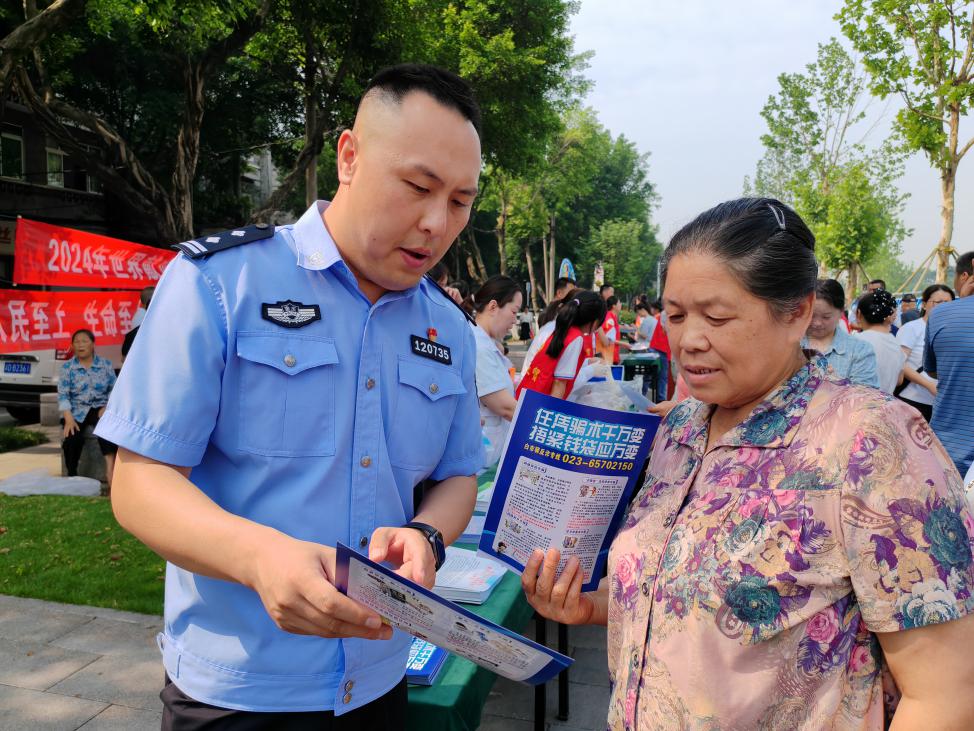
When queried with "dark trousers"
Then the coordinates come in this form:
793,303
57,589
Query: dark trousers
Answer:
74,444
182,713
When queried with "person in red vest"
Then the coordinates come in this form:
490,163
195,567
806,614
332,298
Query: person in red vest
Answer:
661,344
554,368
612,333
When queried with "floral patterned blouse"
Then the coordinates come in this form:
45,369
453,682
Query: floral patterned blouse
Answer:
748,581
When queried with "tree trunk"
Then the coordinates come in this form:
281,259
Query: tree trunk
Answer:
853,288
544,267
313,147
188,150
534,283
502,236
475,262
552,263
948,176
310,115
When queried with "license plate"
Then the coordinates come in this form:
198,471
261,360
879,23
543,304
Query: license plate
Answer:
16,367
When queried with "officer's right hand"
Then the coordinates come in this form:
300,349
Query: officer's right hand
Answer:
70,427
295,581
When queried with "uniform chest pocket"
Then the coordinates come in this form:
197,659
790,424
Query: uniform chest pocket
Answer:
425,402
287,394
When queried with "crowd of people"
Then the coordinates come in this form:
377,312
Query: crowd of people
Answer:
799,556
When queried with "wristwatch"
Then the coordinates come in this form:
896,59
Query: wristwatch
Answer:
434,538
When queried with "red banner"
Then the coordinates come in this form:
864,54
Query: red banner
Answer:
42,320
64,257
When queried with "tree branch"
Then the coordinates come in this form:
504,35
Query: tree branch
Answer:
311,148
29,35
965,149
905,19
965,67
919,112
145,195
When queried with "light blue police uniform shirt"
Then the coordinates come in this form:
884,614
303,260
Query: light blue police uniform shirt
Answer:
320,431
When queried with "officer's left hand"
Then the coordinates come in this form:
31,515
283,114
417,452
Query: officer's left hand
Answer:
407,549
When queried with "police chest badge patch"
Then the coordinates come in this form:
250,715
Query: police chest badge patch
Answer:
290,313
428,349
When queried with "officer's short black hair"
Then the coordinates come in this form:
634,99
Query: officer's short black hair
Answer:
444,86
965,263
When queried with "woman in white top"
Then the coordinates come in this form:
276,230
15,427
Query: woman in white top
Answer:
921,390
495,306
547,321
877,310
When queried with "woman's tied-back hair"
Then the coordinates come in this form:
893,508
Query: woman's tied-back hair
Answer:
876,306
831,291
552,309
498,288
764,243
583,308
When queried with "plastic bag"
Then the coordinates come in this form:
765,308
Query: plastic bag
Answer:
41,482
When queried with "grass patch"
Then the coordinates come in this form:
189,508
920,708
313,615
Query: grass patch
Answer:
70,549
12,437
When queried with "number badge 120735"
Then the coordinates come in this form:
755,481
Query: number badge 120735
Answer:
429,349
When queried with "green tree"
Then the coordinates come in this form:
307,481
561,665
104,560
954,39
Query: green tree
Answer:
183,44
852,222
815,159
557,208
517,55
624,249
922,52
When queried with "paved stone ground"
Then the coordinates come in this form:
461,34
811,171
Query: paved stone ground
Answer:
66,667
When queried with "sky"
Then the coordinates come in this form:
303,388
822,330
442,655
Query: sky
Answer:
686,82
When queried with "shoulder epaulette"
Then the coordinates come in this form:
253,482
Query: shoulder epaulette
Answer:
212,243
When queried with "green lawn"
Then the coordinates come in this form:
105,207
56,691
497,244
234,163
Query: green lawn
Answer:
70,549
12,437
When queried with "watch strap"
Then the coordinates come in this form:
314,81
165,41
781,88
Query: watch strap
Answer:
434,538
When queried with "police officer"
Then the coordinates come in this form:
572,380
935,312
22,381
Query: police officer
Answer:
288,391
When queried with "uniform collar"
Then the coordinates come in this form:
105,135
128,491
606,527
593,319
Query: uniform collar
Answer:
314,246
772,424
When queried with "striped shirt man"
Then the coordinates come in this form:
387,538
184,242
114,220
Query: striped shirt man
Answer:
949,356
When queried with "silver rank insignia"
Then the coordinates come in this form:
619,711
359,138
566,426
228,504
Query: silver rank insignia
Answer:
290,313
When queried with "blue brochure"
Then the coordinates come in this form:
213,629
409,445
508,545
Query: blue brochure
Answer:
415,609
564,481
424,662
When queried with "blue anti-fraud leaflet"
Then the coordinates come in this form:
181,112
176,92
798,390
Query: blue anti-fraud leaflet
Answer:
564,481
412,608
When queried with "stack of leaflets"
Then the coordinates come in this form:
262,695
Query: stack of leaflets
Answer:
483,500
424,663
473,531
466,577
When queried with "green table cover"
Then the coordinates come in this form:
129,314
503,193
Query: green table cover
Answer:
454,702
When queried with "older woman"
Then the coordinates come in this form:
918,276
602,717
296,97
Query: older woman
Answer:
85,383
795,535
849,358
